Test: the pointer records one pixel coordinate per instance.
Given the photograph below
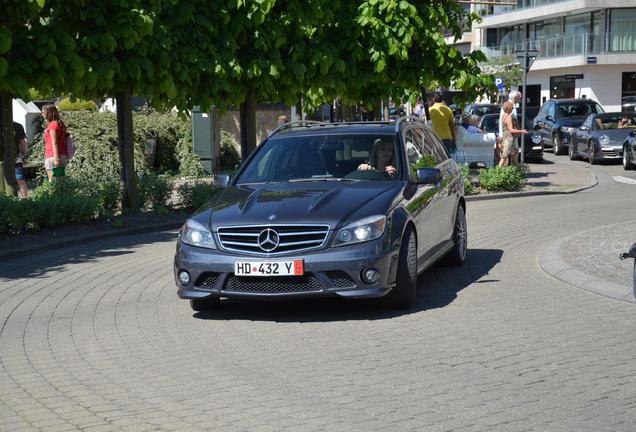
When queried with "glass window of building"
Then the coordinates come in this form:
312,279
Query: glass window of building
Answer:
577,31
597,39
623,30
546,37
511,39
628,100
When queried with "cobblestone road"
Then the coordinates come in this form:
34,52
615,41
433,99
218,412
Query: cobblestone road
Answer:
93,338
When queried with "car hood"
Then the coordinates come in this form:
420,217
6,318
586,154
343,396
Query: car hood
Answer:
572,121
616,136
312,202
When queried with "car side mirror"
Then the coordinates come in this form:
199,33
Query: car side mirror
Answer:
221,181
429,175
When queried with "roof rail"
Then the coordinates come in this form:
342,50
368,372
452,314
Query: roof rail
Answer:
404,119
290,125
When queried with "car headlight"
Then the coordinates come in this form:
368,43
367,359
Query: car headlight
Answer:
195,234
604,139
536,139
369,228
567,129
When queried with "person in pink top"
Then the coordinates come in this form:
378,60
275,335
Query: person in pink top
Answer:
54,141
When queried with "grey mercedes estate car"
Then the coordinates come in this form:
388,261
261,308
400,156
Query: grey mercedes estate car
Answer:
327,209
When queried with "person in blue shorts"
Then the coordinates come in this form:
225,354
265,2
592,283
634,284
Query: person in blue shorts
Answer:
21,154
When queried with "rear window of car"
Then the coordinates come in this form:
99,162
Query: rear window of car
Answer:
294,158
578,110
487,109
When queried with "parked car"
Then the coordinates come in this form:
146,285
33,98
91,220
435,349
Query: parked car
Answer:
601,136
310,214
558,118
629,151
629,104
532,143
479,109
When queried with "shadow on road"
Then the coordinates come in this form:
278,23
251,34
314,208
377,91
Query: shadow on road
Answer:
437,287
41,262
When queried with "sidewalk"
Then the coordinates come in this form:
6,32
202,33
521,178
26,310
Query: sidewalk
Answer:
546,178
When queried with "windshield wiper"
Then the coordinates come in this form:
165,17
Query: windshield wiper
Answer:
311,179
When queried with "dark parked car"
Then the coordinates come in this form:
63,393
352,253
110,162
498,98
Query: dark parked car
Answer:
602,136
323,209
629,151
558,118
479,109
532,145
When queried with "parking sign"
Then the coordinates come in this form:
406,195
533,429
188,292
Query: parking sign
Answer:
499,83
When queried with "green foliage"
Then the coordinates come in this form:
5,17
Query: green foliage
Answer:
507,68
68,104
230,156
469,189
498,179
196,194
50,205
154,192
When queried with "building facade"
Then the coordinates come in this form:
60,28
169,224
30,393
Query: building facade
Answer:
586,48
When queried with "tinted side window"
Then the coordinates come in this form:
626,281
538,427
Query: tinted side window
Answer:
435,147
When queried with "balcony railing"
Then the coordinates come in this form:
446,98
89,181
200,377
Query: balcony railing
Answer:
494,10
569,45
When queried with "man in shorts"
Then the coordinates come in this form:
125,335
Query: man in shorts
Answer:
21,154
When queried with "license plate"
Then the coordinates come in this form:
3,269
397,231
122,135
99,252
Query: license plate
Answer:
269,268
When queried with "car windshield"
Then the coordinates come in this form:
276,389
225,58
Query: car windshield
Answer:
482,110
616,121
490,123
324,158
578,110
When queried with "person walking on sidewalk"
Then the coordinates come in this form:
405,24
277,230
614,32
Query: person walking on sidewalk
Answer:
442,122
21,154
55,157
509,141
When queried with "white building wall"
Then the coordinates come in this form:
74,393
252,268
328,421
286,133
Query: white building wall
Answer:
602,83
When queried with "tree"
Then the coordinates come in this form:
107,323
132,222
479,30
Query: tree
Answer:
507,68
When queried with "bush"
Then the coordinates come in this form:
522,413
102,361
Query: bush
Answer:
230,156
68,104
50,205
195,195
469,189
498,179
154,192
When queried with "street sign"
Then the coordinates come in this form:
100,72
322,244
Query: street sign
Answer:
499,83
574,77
591,60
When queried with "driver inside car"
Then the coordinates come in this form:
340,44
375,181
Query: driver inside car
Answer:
381,158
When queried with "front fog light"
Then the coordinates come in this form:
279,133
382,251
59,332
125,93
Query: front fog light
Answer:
184,277
370,275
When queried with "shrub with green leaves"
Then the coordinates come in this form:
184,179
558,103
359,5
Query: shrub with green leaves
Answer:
500,179
154,192
68,104
196,194
469,189
230,156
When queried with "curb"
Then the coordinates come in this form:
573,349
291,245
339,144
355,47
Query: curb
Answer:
64,242
550,262
593,182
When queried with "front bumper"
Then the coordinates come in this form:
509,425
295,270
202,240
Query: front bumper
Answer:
327,272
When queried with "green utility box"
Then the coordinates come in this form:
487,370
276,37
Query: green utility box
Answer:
206,138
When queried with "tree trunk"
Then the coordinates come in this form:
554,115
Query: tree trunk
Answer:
127,175
8,184
248,123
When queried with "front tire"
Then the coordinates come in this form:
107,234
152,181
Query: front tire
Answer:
590,154
403,295
205,304
457,256
556,145
571,152
628,163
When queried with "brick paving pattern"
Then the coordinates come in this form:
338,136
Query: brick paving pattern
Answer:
93,338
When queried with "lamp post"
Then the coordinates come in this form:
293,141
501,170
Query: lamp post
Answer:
527,57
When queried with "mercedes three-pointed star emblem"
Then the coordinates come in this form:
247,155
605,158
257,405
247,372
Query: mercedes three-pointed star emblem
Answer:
268,240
